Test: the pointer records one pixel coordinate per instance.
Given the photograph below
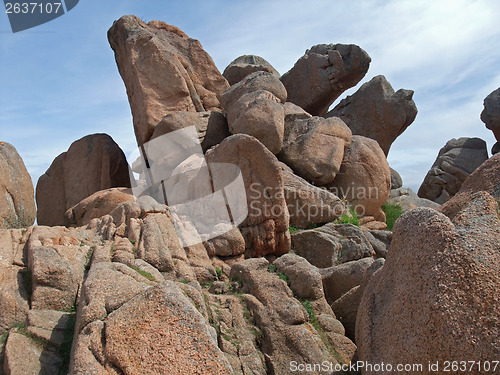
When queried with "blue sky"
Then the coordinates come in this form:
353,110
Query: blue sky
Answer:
59,81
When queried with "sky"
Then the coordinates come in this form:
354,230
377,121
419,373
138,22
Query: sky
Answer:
59,81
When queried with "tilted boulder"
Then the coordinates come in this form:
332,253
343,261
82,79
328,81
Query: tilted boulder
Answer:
377,112
491,116
314,147
17,203
309,204
396,180
364,178
163,70
455,162
323,74
436,298
245,65
266,227
91,164
485,178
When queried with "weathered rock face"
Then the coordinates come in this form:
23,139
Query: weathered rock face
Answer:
308,204
163,71
91,164
377,112
491,113
266,227
455,162
314,147
440,302
323,74
408,199
17,204
332,244
485,178
245,65
286,330
210,126
364,178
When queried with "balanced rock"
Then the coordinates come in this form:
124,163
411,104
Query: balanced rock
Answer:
455,162
163,70
396,180
485,178
491,113
314,147
17,203
323,74
91,164
377,112
439,303
266,227
364,178
309,204
245,65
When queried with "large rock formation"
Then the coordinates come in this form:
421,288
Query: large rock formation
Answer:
266,227
455,162
377,112
17,203
163,70
491,116
364,178
323,74
245,65
91,164
436,298
314,147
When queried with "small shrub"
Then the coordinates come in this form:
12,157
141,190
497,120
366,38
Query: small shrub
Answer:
271,268
292,229
392,213
132,241
312,226
348,218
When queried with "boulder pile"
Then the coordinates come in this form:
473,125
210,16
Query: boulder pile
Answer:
297,272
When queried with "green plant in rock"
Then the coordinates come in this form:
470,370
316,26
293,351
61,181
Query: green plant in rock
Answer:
271,268
348,218
292,229
392,213
132,241
146,274
218,271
